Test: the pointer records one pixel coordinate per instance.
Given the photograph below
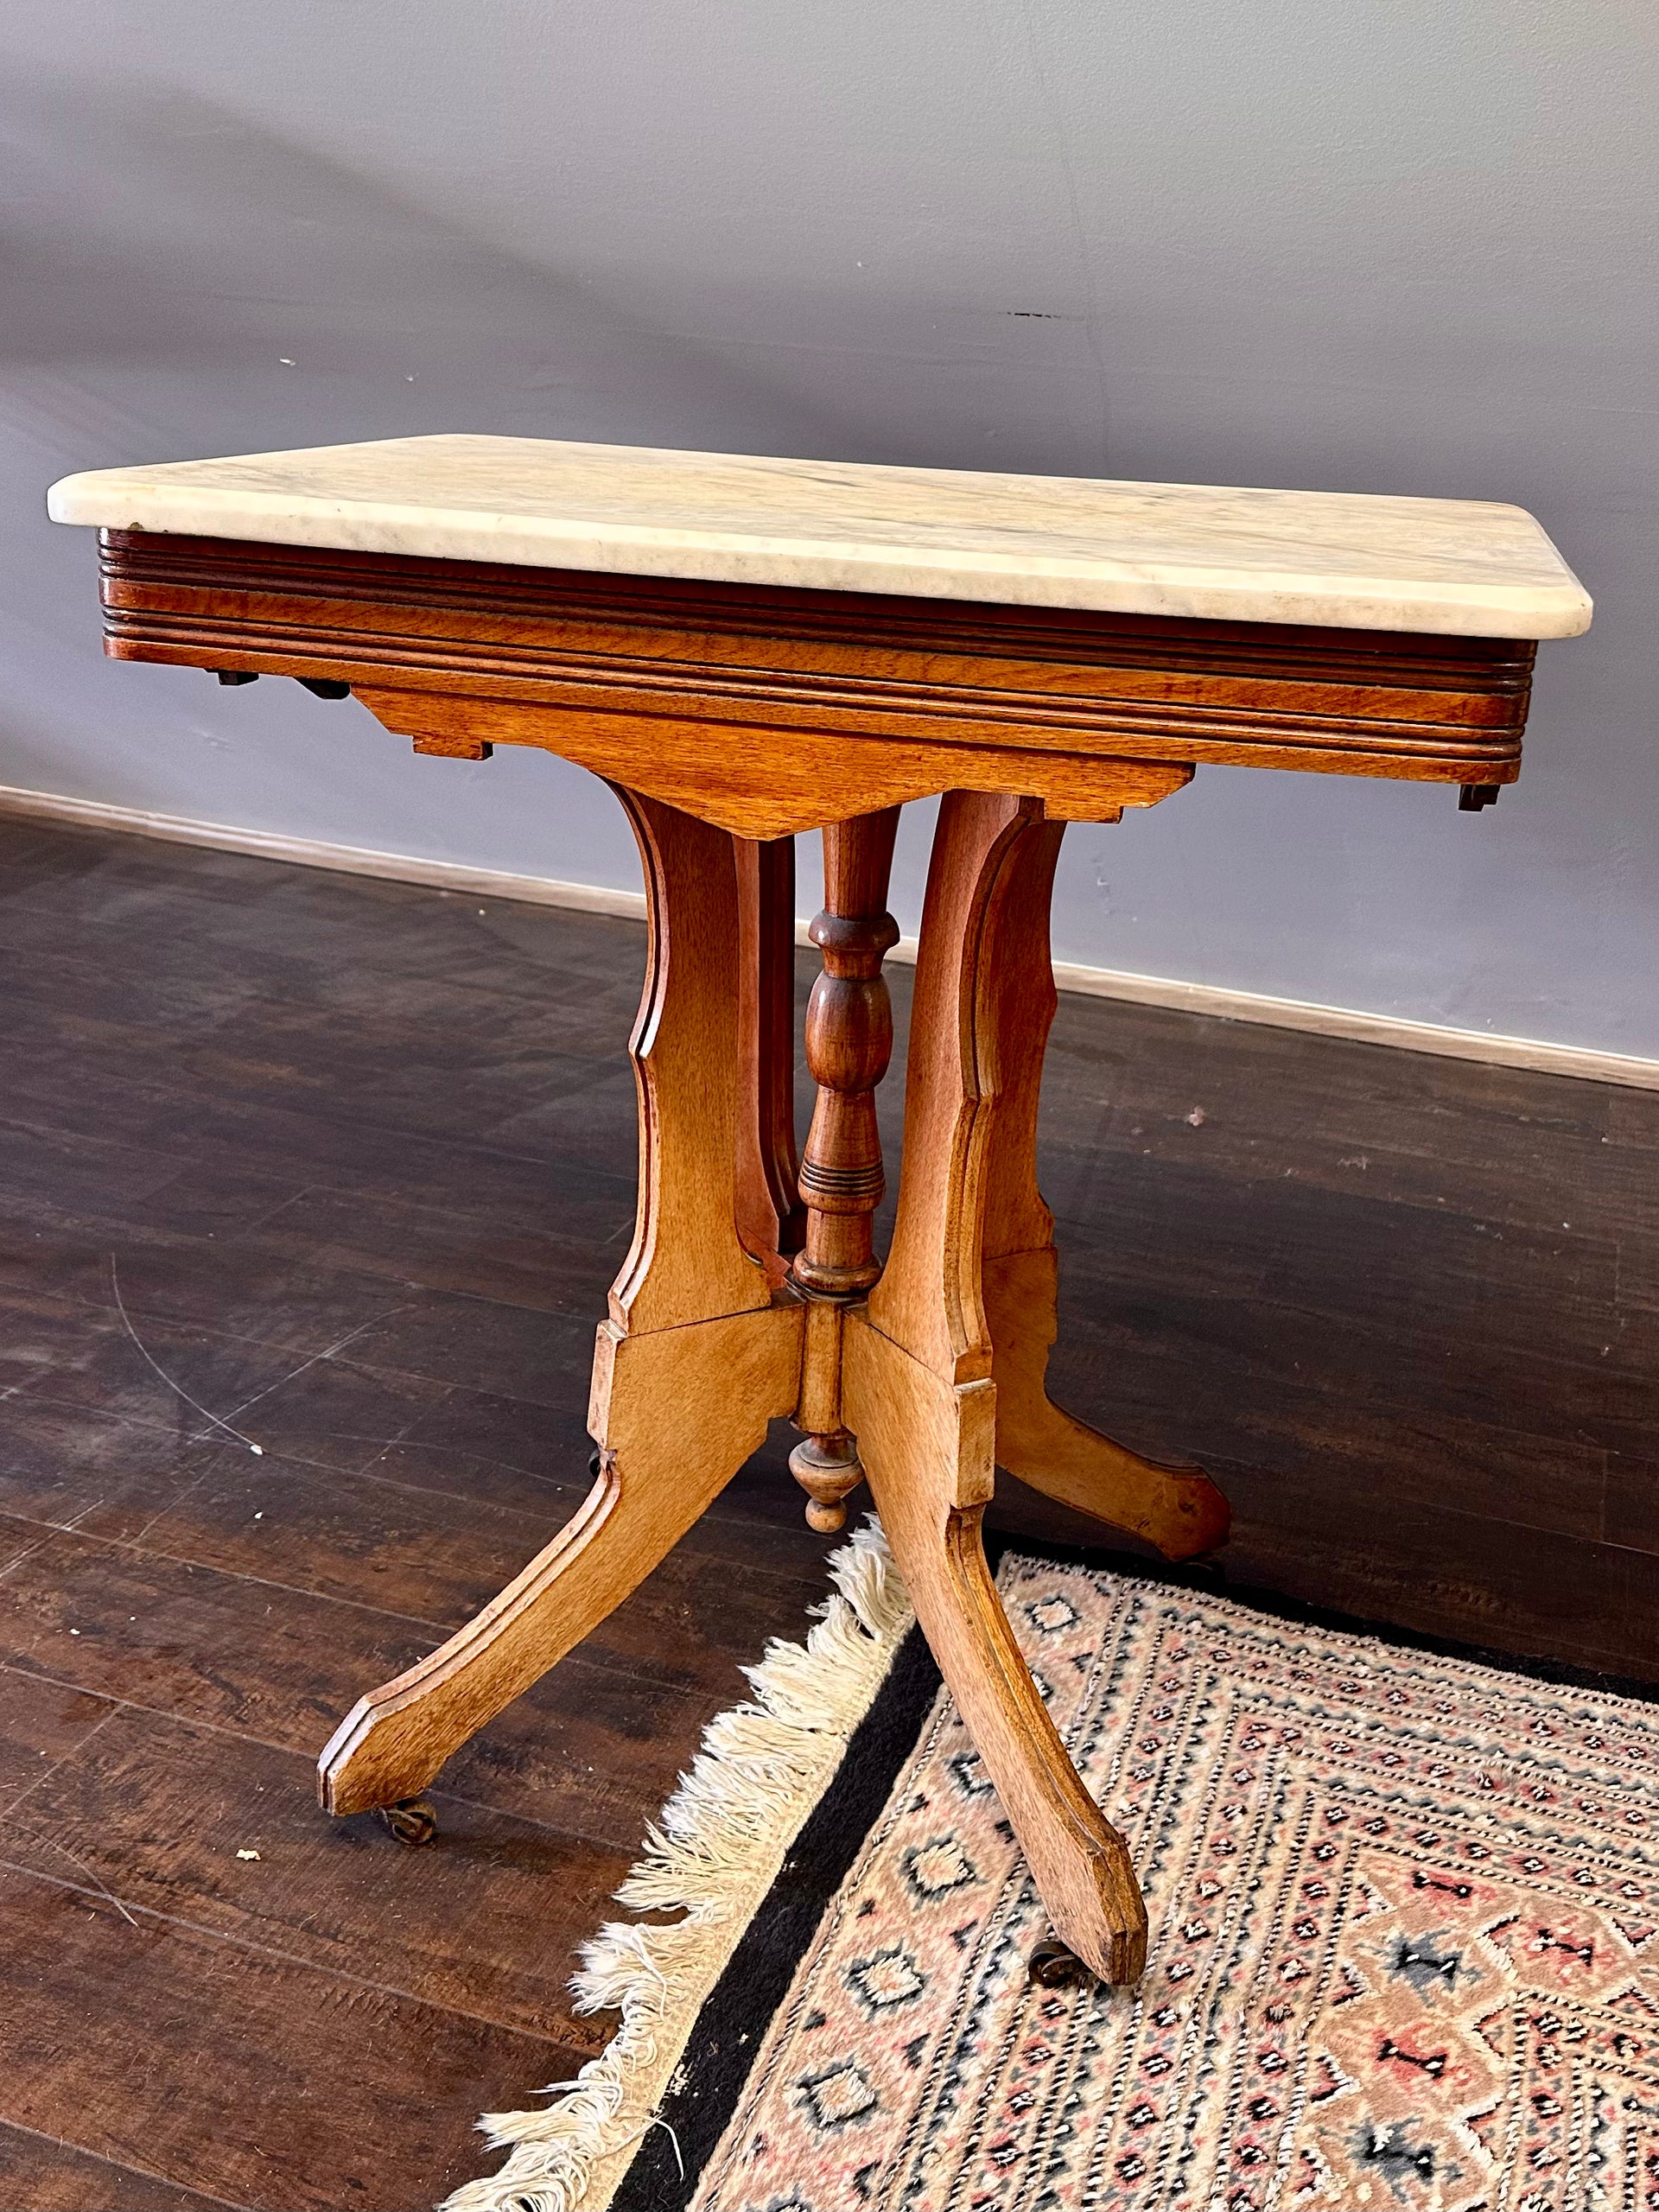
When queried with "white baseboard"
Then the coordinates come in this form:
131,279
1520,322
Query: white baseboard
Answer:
1093,982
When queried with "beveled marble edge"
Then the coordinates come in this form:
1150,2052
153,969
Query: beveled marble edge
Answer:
1254,573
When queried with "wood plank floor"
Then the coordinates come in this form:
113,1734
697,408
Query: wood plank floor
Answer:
342,1168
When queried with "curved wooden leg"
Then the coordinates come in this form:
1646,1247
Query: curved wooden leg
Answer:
917,1386
926,1448
675,1415
1176,1507
694,1360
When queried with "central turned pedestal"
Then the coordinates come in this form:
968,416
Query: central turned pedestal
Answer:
731,1311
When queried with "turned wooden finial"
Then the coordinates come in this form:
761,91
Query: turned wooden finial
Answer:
828,1469
848,1045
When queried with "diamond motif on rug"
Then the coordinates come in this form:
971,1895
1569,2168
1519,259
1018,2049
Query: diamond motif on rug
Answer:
1052,1615
937,1867
886,1980
837,2096
1403,1910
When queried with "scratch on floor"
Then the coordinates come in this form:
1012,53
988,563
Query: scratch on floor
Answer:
329,1351
47,1843
177,1388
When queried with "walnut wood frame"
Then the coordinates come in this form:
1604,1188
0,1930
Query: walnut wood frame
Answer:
728,718
747,704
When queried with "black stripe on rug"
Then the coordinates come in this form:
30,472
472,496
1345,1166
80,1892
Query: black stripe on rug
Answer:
733,2023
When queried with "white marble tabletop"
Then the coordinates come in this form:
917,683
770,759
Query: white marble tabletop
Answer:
1469,567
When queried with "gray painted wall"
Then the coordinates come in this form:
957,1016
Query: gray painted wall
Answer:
1385,245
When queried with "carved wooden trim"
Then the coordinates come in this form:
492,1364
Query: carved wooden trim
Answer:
600,664
761,783
686,1263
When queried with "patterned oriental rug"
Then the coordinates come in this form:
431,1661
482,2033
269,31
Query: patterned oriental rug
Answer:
1404,1949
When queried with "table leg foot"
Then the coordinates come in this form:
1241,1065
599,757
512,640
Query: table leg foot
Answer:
926,1448
676,1413
1176,1508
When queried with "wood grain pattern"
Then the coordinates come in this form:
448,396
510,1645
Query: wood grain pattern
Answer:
687,1262
46,2176
926,1444
770,783
674,1414
156,1811
917,1364
247,2032
694,1361
928,1299
626,661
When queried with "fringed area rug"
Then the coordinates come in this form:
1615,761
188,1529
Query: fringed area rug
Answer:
1404,1953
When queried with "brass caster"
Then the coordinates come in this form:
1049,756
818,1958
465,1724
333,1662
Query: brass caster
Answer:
1055,1965
413,1822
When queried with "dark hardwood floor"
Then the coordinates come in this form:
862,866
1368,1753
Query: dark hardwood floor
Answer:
357,1161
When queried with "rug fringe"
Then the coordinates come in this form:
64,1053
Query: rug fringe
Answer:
712,1855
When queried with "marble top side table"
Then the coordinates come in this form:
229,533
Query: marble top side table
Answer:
745,648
